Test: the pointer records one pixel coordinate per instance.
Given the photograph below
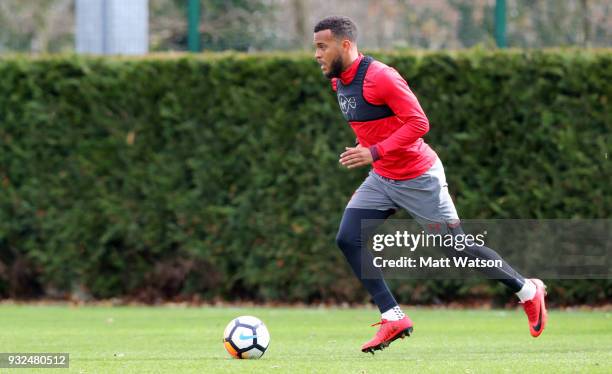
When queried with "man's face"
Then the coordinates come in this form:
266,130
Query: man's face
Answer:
328,53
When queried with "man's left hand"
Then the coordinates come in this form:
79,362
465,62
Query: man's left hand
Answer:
355,157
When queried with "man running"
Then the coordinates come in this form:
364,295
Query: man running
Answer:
406,173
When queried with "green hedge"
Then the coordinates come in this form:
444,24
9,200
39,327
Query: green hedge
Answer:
217,175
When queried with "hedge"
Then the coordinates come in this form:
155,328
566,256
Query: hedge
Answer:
217,175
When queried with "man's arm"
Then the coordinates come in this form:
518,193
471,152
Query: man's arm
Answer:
354,157
393,90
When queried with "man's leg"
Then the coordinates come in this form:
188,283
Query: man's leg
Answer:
370,202
530,292
349,239
505,274
427,199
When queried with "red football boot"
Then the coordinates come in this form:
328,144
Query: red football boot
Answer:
536,309
388,332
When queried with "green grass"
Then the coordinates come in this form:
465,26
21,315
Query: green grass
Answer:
188,340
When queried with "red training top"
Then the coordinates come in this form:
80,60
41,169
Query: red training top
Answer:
402,154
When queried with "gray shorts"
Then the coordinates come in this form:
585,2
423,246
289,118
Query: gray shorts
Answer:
425,197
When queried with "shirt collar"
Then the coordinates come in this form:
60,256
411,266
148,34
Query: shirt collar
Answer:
347,76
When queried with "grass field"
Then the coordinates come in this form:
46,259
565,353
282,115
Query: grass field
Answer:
188,340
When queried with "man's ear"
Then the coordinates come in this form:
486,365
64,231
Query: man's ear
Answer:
346,44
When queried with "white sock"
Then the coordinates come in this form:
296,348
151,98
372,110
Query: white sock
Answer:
393,314
527,292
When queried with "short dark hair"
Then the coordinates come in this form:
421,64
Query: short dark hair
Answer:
340,26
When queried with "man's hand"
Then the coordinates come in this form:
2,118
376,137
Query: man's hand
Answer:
355,157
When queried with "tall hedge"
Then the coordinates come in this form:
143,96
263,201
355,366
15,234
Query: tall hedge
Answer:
218,175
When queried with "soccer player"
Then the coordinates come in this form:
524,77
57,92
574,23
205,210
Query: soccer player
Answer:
406,173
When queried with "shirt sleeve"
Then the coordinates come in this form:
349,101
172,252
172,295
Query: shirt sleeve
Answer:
395,93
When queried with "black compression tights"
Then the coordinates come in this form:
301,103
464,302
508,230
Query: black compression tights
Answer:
349,239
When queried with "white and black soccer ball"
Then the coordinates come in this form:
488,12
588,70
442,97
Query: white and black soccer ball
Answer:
246,337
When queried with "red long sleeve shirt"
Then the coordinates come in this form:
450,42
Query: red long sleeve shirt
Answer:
402,152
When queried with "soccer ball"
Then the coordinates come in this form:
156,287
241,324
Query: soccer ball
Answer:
246,337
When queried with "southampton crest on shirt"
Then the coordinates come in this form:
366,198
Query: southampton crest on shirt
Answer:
347,104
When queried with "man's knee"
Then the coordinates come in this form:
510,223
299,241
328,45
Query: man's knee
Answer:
346,240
